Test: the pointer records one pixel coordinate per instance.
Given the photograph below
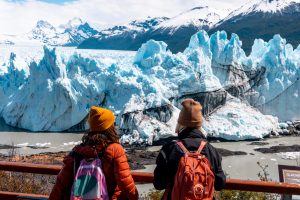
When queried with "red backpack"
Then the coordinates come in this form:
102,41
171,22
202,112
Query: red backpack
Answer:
194,178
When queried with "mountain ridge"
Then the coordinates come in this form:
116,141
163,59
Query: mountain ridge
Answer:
44,33
175,31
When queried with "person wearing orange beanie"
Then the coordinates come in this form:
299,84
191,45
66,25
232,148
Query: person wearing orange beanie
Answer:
100,119
191,134
101,139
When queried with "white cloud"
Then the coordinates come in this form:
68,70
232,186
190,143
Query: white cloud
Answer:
21,16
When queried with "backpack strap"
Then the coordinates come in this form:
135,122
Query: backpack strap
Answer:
202,145
182,147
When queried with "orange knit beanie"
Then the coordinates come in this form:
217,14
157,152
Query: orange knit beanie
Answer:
100,119
190,114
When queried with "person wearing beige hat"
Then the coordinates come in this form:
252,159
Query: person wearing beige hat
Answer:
190,116
101,141
190,135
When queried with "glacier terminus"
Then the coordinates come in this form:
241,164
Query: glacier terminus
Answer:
244,96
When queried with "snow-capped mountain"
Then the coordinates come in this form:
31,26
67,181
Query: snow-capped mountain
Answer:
124,37
70,34
7,39
135,27
265,6
45,33
263,19
175,31
198,17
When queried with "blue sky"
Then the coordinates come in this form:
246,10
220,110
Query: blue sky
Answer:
20,16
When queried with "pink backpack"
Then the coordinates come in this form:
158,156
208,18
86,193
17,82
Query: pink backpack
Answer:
89,182
194,178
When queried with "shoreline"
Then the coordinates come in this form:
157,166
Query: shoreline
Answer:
139,157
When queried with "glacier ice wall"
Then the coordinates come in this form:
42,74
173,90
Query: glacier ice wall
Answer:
281,63
54,91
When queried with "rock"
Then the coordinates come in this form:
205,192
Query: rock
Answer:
5,146
36,147
297,125
278,149
286,132
296,132
137,159
225,152
268,135
259,143
291,126
274,133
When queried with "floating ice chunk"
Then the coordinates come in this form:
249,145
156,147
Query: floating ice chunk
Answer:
283,125
46,144
289,155
72,143
23,144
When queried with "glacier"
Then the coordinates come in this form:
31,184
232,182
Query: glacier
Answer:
52,89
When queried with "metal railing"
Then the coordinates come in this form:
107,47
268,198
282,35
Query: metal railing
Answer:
142,177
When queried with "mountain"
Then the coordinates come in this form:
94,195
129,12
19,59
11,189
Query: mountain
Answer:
135,27
7,39
262,19
202,17
70,34
125,37
175,31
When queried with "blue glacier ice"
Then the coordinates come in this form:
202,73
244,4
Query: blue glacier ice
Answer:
281,64
52,89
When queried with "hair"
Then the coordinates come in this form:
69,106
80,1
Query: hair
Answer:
103,138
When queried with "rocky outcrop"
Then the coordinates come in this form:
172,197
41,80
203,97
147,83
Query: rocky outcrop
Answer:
130,121
209,100
278,149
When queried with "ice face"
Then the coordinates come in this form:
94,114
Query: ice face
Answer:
281,66
151,54
238,121
226,52
11,79
53,89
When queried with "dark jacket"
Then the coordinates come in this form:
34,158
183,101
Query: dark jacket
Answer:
170,154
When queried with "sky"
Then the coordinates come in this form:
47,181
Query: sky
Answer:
20,16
